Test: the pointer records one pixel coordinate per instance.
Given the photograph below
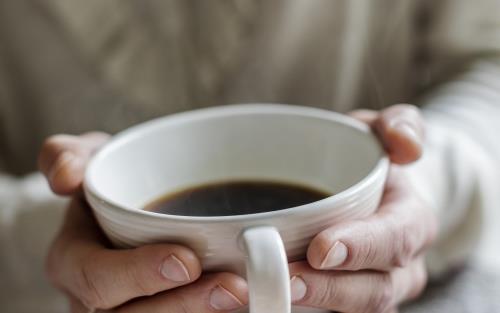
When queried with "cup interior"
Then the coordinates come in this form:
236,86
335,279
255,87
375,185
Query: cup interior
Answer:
321,149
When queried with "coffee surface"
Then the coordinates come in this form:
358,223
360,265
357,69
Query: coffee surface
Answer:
235,198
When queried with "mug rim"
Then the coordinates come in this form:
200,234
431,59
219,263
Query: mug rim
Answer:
381,167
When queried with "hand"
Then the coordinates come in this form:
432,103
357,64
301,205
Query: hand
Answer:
374,264
152,278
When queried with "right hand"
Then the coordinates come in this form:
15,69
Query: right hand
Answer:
151,278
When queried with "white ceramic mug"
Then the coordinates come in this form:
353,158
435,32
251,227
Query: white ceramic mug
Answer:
313,147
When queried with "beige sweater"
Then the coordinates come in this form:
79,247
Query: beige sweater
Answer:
73,66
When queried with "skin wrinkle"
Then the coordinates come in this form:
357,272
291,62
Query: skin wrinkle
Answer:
59,171
401,238
370,254
400,257
90,295
447,17
330,292
136,277
395,212
364,251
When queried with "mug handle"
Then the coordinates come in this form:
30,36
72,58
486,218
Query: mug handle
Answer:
267,270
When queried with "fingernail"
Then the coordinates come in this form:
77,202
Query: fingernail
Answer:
298,288
173,269
222,299
407,131
335,256
63,160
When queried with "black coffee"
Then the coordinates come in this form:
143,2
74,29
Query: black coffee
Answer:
235,198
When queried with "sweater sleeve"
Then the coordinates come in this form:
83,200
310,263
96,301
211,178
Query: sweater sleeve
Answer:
459,173
29,217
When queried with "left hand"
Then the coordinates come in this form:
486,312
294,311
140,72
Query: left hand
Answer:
374,264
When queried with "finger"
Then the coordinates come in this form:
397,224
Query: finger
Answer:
365,116
63,159
401,130
105,278
401,228
221,292
363,291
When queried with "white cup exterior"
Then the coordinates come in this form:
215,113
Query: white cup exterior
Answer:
256,141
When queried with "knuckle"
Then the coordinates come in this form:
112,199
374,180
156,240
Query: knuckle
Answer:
362,249
382,296
48,150
412,236
406,238
52,152
89,292
363,254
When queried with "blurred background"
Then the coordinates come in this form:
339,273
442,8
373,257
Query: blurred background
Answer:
70,66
